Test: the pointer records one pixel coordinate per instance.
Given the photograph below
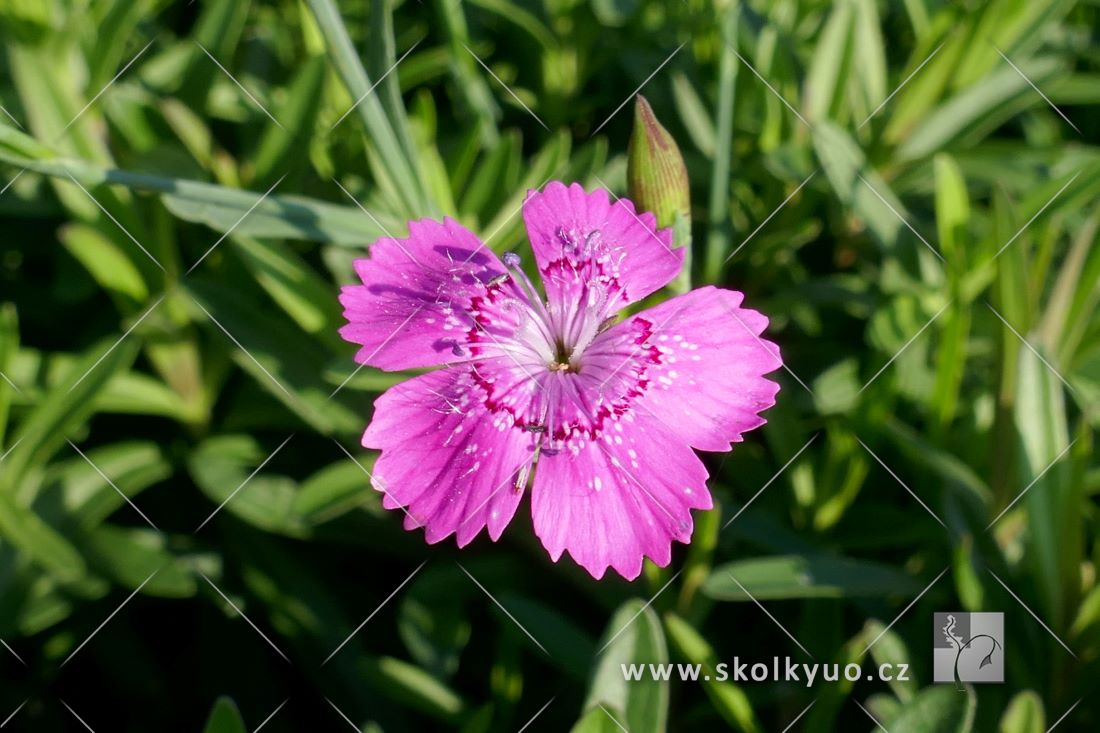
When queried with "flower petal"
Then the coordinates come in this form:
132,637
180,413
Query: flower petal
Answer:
411,310
626,495
704,364
580,238
445,458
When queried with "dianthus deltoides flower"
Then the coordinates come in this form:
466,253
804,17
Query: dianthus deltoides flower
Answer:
600,416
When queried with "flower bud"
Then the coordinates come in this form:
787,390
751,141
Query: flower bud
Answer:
657,180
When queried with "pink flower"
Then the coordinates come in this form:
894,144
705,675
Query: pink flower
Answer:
605,415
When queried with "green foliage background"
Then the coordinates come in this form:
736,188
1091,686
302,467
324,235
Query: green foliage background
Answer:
168,345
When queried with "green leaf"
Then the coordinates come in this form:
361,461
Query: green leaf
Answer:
134,393
276,217
130,557
977,110
381,60
191,130
830,66
505,227
413,686
128,392
295,597
857,186
78,490
1085,630
952,220
1015,28
732,703
871,70
226,467
598,720
282,359
522,19
26,530
1024,714
967,575
52,98
9,345
471,86
952,205
1054,502
368,108
45,604
225,718
219,28
336,490
890,649
718,202
66,406
833,697
221,208
573,647
306,297
806,576
633,636
693,114
939,709
435,633
884,707
1074,296
484,191
18,145
116,27
614,13
836,390
107,261
282,144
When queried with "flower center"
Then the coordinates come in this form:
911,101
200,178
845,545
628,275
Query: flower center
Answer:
562,356
558,331
550,366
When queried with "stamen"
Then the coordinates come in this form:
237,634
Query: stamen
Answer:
527,288
514,265
525,472
532,331
587,320
568,246
592,241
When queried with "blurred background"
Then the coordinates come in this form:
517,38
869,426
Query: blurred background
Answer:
188,540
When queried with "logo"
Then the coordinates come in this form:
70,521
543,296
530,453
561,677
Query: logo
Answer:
968,647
